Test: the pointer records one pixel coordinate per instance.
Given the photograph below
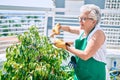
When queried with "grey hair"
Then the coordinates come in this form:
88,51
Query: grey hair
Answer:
94,11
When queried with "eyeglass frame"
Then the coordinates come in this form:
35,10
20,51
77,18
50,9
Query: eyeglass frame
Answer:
84,19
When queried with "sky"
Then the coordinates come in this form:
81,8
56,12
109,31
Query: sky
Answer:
28,3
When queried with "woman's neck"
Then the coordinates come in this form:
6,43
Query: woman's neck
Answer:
86,32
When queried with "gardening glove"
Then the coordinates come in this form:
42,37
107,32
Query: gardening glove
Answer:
56,30
61,44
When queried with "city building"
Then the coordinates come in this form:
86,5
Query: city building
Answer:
112,4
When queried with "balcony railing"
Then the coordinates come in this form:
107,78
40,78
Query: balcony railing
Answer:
13,23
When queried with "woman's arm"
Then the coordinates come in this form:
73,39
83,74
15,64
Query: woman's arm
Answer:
75,30
92,47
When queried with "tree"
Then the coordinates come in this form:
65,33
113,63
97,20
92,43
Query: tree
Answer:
34,58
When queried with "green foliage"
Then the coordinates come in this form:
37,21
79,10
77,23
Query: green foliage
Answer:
34,58
5,30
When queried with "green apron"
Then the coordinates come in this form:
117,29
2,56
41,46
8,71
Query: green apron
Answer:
90,69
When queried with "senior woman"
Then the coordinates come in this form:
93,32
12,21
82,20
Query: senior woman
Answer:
89,47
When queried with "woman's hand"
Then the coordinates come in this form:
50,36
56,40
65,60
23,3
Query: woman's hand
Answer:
61,44
56,30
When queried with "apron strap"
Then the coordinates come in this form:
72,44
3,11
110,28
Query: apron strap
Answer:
87,35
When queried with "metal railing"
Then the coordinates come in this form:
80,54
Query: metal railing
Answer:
16,22
13,23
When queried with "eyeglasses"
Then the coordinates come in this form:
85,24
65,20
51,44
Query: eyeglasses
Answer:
84,19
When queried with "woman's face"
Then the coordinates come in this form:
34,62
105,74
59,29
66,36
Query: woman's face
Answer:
86,22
